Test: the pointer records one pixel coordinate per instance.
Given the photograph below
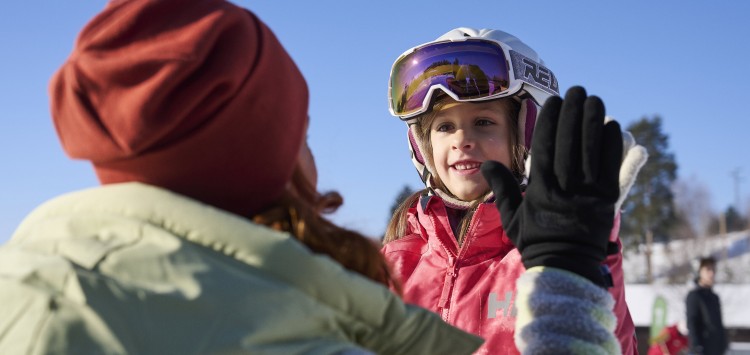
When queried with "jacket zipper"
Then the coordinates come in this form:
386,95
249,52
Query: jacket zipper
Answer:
445,296
452,274
450,277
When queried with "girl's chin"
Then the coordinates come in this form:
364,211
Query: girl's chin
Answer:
469,196
468,189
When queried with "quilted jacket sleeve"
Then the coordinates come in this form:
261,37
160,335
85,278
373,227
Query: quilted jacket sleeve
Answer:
562,313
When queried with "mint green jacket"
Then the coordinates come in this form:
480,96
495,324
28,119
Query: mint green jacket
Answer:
134,269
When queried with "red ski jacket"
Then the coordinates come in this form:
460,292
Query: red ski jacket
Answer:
473,287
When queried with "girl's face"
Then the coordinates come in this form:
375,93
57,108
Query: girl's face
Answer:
463,135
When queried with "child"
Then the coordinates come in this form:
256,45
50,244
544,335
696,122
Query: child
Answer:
447,242
672,340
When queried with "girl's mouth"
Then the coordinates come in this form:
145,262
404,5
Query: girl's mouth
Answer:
466,167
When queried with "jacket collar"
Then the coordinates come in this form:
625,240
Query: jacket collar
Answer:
485,238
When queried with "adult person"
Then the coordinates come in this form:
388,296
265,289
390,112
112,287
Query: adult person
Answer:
206,235
703,307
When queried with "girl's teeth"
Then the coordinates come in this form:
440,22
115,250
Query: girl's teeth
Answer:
466,166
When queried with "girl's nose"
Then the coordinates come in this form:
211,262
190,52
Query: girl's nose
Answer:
463,140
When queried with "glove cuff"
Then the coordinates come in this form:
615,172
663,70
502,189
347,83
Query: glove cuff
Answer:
591,269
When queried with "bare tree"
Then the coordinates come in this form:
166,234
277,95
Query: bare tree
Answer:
692,201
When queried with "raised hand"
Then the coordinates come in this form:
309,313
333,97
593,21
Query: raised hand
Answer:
564,219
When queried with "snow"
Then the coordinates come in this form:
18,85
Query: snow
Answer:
674,267
641,297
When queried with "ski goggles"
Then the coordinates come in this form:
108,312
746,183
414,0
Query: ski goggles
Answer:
470,70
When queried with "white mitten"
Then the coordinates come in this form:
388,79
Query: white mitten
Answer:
634,156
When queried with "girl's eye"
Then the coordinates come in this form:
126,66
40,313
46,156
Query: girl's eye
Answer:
443,127
483,122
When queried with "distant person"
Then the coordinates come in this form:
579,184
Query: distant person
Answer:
461,245
672,340
199,241
705,326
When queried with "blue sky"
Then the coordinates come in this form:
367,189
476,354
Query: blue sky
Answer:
684,61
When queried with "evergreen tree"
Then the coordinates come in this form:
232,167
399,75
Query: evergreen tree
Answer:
734,222
649,211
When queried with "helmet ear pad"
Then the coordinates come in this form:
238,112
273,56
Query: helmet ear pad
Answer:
526,122
527,115
415,148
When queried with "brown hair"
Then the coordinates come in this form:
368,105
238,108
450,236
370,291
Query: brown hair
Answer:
707,261
397,225
299,212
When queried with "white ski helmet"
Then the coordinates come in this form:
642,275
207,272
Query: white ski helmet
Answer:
468,64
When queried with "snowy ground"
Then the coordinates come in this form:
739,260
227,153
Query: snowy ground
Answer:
676,262
674,267
735,303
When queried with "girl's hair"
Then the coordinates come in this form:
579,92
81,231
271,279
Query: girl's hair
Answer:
398,224
299,212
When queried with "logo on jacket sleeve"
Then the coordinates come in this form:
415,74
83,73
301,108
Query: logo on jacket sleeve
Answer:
506,305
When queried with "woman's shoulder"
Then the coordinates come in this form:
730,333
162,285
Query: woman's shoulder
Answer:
193,261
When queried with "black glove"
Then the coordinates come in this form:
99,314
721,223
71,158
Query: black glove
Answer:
566,216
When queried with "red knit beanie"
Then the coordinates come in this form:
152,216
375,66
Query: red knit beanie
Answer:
195,96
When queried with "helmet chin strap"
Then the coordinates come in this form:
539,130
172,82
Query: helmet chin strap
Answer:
456,203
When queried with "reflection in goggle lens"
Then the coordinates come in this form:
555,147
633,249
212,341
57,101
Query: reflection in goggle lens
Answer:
469,69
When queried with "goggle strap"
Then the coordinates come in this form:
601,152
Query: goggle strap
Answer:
457,204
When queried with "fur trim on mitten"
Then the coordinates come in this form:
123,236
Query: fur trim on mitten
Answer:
634,156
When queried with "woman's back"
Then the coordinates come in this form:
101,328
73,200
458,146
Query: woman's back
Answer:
131,268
